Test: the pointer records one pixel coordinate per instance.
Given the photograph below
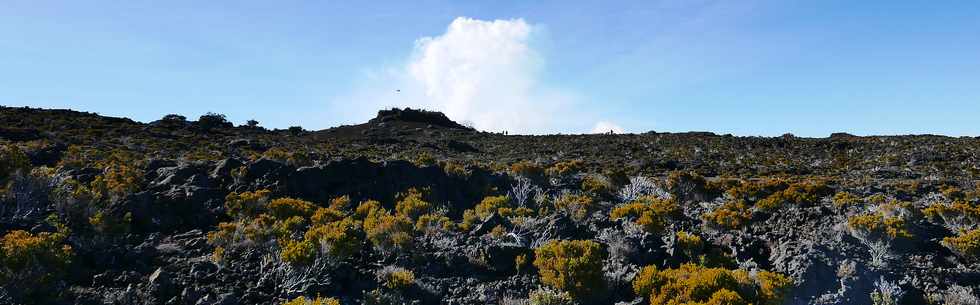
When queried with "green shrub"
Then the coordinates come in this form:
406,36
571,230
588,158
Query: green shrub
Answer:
693,284
574,266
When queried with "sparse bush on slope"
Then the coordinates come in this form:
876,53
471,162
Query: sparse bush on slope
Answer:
574,266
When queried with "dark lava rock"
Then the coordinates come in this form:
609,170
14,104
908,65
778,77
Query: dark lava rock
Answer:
419,116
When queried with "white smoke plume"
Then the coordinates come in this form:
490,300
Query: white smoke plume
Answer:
485,73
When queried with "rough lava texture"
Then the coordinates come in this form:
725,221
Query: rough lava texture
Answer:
146,240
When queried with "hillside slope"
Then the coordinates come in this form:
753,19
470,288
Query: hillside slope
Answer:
411,207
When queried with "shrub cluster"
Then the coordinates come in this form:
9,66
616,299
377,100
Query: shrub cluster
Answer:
30,262
843,199
795,193
578,206
526,169
596,184
82,204
12,160
959,214
650,212
395,278
694,284
732,214
565,168
574,266
387,231
887,220
295,158
302,231
315,301
966,244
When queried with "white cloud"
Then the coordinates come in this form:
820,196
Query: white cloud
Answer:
606,127
486,73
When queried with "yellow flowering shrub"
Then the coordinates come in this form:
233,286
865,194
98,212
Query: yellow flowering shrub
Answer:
965,244
691,244
731,215
12,160
578,206
574,266
795,193
292,157
298,252
341,203
30,261
959,211
246,204
526,169
315,301
428,222
694,284
412,205
879,225
650,212
366,209
596,184
326,215
565,168
388,232
339,239
469,220
490,205
842,199
396,278
283,208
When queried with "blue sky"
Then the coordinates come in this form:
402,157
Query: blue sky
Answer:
741,67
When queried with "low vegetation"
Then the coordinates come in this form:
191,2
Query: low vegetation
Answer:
693,284
100,210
